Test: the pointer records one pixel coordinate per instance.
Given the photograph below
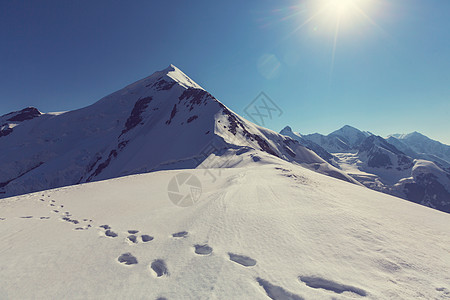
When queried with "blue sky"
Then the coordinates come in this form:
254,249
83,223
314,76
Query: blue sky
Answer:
390,71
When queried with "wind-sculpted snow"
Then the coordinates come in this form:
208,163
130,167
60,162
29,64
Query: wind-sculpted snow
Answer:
272,231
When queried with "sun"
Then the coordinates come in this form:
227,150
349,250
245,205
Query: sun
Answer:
331,17
341,9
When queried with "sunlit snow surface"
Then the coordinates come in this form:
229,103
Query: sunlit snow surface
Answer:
261,230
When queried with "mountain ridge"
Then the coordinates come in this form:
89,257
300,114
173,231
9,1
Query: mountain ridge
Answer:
165,120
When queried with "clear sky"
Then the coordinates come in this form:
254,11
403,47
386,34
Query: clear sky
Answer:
378,65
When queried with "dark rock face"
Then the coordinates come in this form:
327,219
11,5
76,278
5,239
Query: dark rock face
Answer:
377,150
193,97
316,148
5,131
103,165
3,184
172,114
17,116
25,114
374,140
289,151
428,191
136,114
263,144
162,85
234,123
378,159
192,118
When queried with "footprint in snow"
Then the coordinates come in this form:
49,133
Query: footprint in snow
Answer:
106,227
181,234
44,218
132,239
203,249
242,260
133,231
26,217
110,233
277,292
127,259
146,238
67,219
329,285
159,267
2,219
83,228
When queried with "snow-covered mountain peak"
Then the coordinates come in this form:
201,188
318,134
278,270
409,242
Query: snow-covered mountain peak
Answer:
12,119
347,129
412,135
164,121
178,76
27,113
288,131
350,135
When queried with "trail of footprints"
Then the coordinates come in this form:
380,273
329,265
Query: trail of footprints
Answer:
159,267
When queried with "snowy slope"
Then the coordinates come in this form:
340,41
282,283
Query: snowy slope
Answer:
164,121
260,231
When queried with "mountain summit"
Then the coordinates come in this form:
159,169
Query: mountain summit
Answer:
164,121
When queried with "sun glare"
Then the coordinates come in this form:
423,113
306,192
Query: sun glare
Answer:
341,7
334,17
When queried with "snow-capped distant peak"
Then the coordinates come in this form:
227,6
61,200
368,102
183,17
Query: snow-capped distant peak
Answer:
350,135
348,130
288,131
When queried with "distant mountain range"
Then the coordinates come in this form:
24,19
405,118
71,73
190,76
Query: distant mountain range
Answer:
411,166
167,121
